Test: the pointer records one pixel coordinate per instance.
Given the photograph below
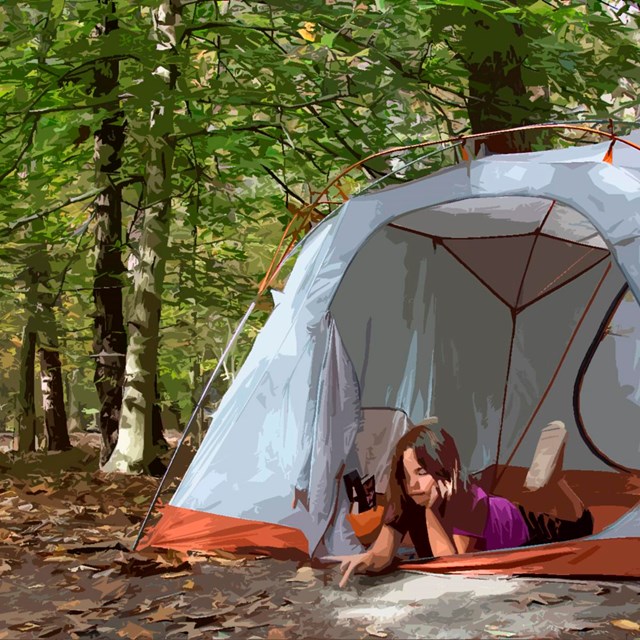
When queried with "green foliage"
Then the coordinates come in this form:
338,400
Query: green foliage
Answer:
272,100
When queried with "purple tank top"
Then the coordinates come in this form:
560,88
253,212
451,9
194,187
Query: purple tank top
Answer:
504,528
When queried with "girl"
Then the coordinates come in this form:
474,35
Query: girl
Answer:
445,513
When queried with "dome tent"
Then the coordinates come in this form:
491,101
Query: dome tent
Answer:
474,294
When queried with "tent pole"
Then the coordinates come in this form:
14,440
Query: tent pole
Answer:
214,375
212,378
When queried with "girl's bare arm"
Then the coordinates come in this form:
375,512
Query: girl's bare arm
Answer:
383,550
379,555
441,542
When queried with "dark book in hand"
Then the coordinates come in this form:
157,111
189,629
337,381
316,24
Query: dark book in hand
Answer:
361,492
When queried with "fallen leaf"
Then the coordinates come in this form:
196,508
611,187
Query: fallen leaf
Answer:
81,628
496,632
179,574
59,559
374,631
76,606
596,589
627,625
279,633
304,574
50,631
238,622
98,546
103,573
162,614
134,631
184,627
547,598
136,564
189,585
27,506
25,626
111,590
82,567
224,562
224,554
4,567
302,597
38,488
539,598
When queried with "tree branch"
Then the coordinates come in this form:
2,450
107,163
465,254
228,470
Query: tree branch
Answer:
68,107
218,24
300,105
45,212
12,168
284,185
205,132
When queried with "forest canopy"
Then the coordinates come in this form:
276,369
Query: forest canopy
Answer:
153,152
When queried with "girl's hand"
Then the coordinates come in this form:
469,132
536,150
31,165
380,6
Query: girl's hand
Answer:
445,489
358,563
434,497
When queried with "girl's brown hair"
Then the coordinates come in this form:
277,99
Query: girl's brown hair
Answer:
436,452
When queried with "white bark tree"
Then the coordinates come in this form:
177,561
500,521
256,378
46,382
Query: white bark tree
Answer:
135,451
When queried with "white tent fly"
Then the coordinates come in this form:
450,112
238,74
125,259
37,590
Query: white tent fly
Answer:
477,294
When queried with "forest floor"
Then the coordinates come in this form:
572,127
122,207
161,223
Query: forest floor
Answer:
66,572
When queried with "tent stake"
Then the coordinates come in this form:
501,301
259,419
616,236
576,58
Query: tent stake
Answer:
212,378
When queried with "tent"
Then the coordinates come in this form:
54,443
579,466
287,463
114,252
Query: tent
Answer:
498,294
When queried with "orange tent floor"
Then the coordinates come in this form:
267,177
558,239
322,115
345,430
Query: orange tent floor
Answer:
187,530
608,495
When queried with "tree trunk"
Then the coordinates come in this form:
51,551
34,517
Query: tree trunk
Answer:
74,408
497,95
157,429
55,413
109,337
55,417
25,440
134,452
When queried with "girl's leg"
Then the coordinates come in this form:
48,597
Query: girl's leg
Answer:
546,490
557,499
547,459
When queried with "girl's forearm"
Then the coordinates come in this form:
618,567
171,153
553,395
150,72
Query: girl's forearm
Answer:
440,541
383,550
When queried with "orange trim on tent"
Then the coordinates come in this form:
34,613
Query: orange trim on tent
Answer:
612,557
189,530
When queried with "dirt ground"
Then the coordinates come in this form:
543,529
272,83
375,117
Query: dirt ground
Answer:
66,572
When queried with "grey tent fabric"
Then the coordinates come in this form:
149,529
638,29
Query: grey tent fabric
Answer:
432,299
611,381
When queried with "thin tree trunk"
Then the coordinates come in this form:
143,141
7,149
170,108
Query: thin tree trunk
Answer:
25,438
55,413
134,452
55,416
157,428
109,337
74,408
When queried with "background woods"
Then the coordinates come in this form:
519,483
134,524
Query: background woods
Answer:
152,153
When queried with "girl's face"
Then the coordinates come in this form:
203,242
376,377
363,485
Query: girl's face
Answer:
419,484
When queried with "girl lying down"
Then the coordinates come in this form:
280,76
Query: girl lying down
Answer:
445,513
